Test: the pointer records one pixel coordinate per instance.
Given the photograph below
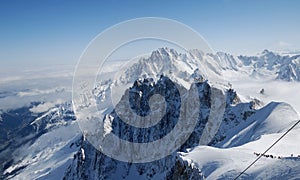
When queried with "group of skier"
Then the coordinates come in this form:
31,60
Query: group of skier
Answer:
272,156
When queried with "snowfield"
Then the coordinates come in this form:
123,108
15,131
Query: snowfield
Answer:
49,156
236,152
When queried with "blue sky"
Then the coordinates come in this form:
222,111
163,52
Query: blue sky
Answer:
56,32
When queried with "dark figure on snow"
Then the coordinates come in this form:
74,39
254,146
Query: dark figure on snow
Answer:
262,91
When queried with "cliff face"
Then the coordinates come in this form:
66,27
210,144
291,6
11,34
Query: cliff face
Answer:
89,163
185,170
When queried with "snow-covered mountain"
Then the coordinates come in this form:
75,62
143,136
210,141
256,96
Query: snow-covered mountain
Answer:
282,67
266,64
35,144
41,139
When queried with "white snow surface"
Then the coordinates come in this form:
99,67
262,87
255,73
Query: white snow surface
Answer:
49,156
256,134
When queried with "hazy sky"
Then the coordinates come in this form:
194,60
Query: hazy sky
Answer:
43,32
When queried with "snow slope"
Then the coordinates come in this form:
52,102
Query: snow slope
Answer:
255,134
48,156
271,119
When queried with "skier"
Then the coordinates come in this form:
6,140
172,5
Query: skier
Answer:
262,91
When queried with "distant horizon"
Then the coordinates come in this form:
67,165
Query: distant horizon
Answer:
72,65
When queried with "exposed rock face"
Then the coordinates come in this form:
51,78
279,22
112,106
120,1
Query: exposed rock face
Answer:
90,163
185,170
